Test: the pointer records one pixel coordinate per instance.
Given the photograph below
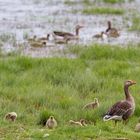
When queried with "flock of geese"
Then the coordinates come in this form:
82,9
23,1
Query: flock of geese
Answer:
120,111
61,37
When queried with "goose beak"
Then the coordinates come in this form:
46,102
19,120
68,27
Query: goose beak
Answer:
133,82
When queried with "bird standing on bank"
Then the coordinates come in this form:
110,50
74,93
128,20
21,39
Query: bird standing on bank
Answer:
123,109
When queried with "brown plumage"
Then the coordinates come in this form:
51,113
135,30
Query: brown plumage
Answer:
67,34
78,123
32,39
37,44
51,122
123,109
112,32
92,105
62,41
11,116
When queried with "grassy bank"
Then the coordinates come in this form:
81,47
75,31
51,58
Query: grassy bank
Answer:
103,10
37,88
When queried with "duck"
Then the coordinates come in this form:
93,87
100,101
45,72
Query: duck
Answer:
123,109
44,38
92,105
71,36
37,44
51,122
102,35
11,116
112,32
78,123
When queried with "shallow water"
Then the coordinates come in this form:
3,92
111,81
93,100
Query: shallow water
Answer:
23,18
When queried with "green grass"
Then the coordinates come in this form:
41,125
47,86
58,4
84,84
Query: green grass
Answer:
103,10
38,88
85,2
113,1
135,24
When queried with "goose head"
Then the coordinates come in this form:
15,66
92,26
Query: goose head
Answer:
79,27
129,83
96,100
51,117
48,36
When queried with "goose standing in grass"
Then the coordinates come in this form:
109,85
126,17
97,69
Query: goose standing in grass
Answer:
11,116
112,32
123,109
92,105
69,35
78,123
51,122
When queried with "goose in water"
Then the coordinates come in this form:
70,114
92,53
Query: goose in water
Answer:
112,32
71,36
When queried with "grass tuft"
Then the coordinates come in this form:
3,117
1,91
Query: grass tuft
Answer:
103,11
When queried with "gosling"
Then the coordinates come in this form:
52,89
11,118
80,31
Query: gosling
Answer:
51,123
78,123
92,105
11,116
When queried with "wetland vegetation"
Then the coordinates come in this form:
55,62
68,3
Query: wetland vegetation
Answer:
52,82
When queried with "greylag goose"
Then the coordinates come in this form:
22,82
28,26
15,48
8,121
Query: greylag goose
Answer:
78,123
112,32
11,116
92,105
69,35
123,109
51,122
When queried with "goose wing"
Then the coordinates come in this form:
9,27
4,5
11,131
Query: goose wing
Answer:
58,33
120,108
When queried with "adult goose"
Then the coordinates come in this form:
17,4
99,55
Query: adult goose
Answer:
123,109
69,35
112,32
